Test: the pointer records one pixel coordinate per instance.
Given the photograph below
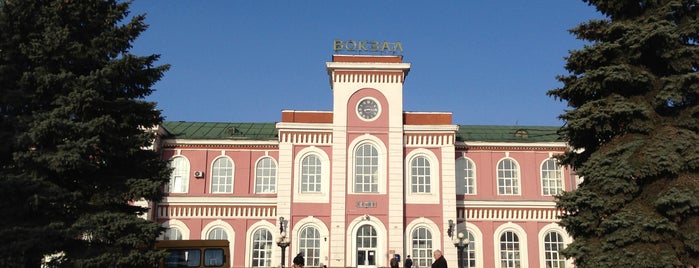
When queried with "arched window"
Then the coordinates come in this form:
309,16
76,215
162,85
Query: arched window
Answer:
465,176
422,247
553,244
222,175
179,179
420,179
508,177
367,242
311,174
309,244
262,248
172,234
217,234
509,250
470,252
266,176
366,169
551,178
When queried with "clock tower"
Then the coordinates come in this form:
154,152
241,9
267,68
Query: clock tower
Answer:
367,182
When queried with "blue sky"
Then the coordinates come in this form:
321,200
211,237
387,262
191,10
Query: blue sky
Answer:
487,62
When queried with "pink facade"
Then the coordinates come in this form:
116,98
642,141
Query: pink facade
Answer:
353,186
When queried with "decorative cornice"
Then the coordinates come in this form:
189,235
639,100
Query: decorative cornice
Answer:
509,214
428,139
222,146
390,77
216,212
316,138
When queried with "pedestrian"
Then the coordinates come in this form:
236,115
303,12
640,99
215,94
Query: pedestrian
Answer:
298,260
439,261
408,262
394,262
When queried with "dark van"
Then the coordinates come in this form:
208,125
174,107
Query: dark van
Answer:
194,253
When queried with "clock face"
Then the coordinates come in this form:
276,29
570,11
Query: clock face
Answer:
367,109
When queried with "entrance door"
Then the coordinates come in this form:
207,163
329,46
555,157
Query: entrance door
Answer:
366,247
366,258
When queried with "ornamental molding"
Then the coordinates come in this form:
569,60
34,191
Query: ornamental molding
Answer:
222,143
315,138
509,214
379,77
428,139
215,212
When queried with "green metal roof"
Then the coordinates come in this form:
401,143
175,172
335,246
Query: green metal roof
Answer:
220,131
508,133
268,131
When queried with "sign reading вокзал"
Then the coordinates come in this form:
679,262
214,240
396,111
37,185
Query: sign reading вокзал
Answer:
367,46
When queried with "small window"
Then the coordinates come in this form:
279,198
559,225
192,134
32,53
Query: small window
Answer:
508,177
311,174
266,176
553,244
172,234
213,257
521,133
465,176
551,178
179,178
217,234
420,175
183,258
509,250
366,169
222,175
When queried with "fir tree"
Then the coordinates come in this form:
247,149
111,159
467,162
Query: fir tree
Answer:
633,132
74,135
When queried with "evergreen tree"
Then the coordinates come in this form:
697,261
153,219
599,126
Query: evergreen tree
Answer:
633,131
74,135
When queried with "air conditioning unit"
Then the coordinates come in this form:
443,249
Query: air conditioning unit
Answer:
198,174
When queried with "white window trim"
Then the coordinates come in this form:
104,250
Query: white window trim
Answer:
188,170
478,236
276,251
381,239
230,233
176,224
521,234
475,176
276,179
422,222
211,175
541,178
311,221
323,196
519,177
553,227
381,148
422,198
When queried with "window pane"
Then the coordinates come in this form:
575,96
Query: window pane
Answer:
311,174
551,178
266,176
366,161
422,247
508,177
262,248
222,175
179,179
509,250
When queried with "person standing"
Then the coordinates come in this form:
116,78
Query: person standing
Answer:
439,261
394,262
408,262
299,261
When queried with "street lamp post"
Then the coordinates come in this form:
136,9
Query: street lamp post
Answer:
460,242
282,241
